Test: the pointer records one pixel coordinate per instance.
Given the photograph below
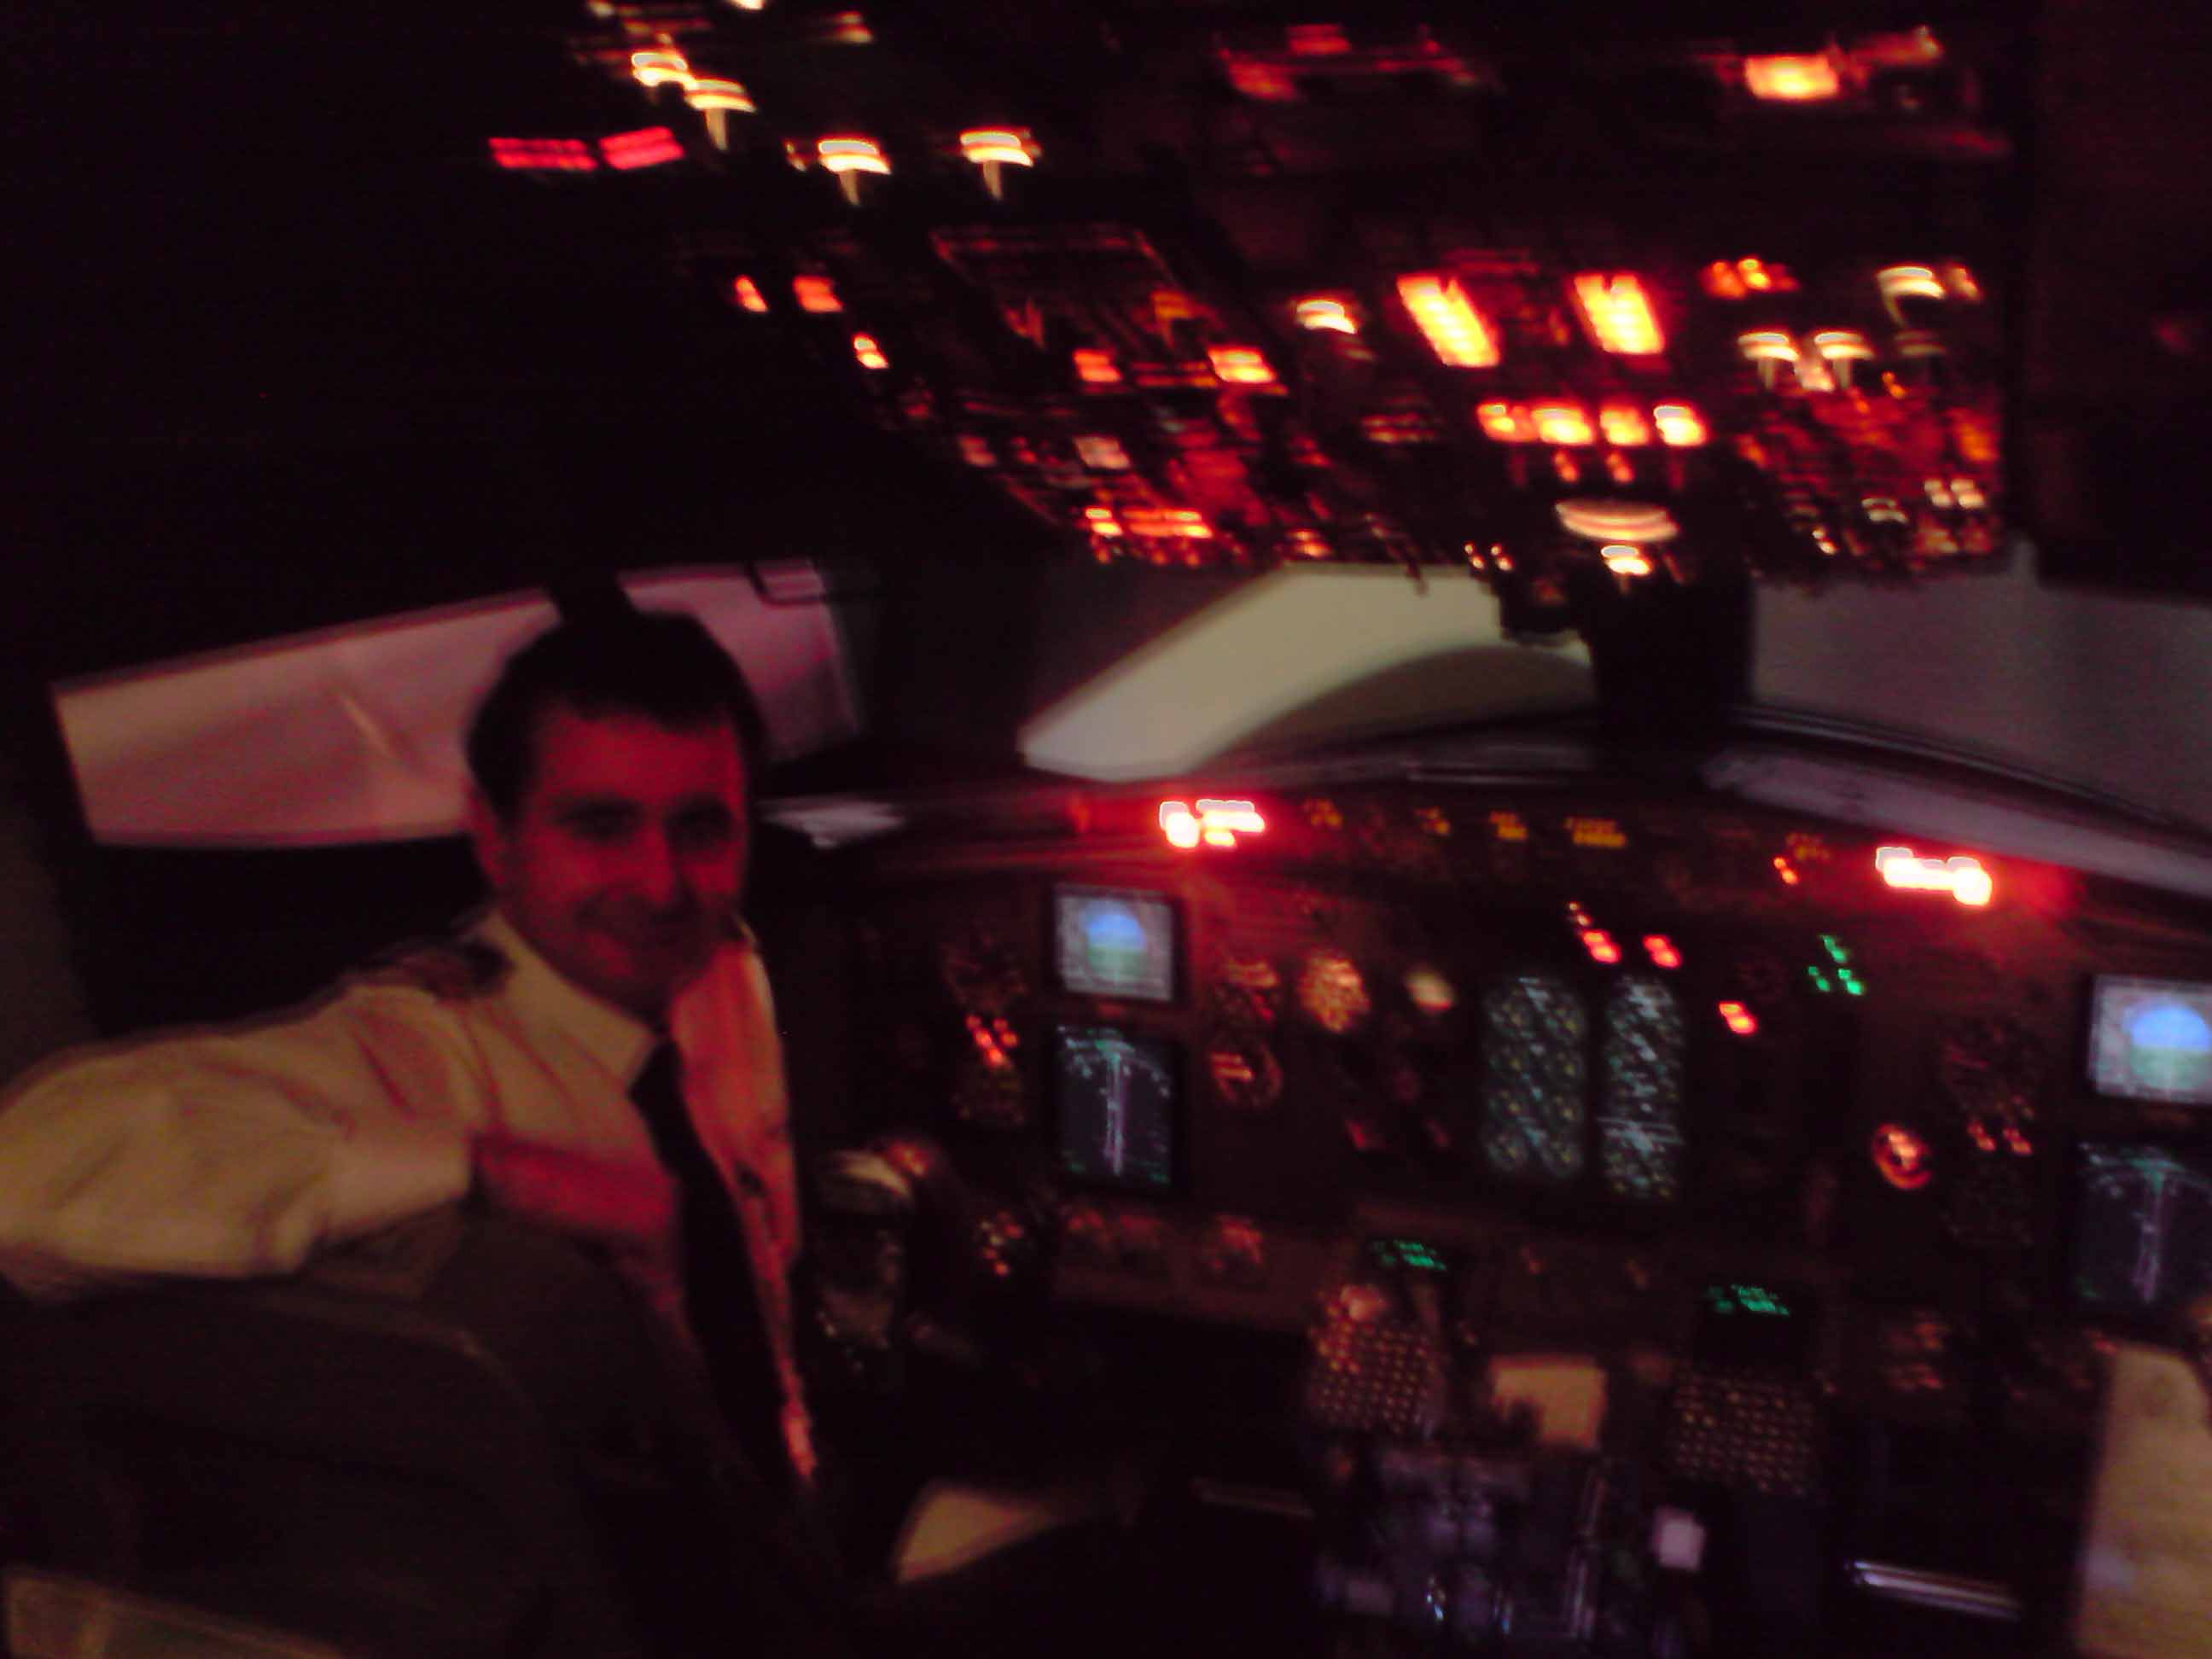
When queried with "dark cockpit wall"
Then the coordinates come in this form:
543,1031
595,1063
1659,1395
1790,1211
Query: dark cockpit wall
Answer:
318,443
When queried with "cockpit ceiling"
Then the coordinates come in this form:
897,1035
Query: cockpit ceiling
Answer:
1220,290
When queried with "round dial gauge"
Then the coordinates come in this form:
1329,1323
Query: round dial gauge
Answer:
1334,991
1247,1077
1247,991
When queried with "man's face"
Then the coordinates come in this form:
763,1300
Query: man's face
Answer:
625,853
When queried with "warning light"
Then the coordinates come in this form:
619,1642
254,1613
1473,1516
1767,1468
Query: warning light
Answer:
1901,282
1792,78
746,295
1769,350
1617,314
1321,313
1094,367
1840,348
870,354
1454,330
1562,423
1739,1018
719,99
1216,823
993,150
816,293
1963,878
850,157
648,147
659,69
1901,1155
1680,426
544,155
1509,423
1240,366
1600,945
1625,561
1661,950
1787,870
1624,424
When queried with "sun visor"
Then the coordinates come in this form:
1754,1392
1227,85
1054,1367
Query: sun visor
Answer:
353,734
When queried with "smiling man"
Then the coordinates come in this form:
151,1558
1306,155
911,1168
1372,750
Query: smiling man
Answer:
595,1051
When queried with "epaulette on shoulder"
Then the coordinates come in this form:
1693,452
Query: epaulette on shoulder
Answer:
450,969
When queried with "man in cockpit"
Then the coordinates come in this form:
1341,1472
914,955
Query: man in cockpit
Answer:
596,1051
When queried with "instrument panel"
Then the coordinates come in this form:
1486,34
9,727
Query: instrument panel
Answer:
1595,1048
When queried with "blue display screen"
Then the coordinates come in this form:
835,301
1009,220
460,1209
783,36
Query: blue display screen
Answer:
1113,941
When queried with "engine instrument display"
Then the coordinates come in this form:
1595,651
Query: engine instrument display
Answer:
2151,1039
1640,1127
1111,942
2144,1236
1532,1035
1117,1096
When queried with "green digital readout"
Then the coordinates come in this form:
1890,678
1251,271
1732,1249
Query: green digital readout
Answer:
1410,1253
1755,1299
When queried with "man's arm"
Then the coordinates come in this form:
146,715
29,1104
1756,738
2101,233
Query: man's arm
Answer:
232,1154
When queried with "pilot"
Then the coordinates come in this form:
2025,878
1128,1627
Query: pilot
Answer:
595,1051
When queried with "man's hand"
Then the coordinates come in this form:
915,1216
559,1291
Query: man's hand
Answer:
627,1205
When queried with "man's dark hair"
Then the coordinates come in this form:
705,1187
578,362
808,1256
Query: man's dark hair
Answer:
663,664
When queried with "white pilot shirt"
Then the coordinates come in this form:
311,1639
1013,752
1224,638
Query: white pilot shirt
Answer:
240,1151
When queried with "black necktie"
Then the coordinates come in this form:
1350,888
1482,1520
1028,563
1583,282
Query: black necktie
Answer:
717,1281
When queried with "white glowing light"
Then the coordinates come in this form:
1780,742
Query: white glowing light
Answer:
1321,313
659,69
1963,878
1639,524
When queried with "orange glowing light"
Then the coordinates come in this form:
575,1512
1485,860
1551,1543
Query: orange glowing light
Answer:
1240,366
718,101
1661,950
1786,870
1318,39
1010,147
1600,946
1101,522
1740,1019
1321,313
1624,424
1723,280
1095,367
1964,877
659,69
1619,315
1509,423
1102,452
1602,520
816,293
1680,426
1454,330
1961,281
1562,423
544,155
1792,78
1898,283
1767,345
852,154
1625,561
975,450
744,293
648,147
1216,823
870,354
1902,1158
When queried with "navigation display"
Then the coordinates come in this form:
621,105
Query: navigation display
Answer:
2151,1039
2142,1238
1112,942
1117,1107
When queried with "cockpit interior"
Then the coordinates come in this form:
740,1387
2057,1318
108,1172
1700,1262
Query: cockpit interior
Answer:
1489,892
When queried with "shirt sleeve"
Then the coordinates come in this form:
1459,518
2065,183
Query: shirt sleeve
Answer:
236,1153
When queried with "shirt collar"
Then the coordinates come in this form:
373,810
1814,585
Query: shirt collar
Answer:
614,1036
